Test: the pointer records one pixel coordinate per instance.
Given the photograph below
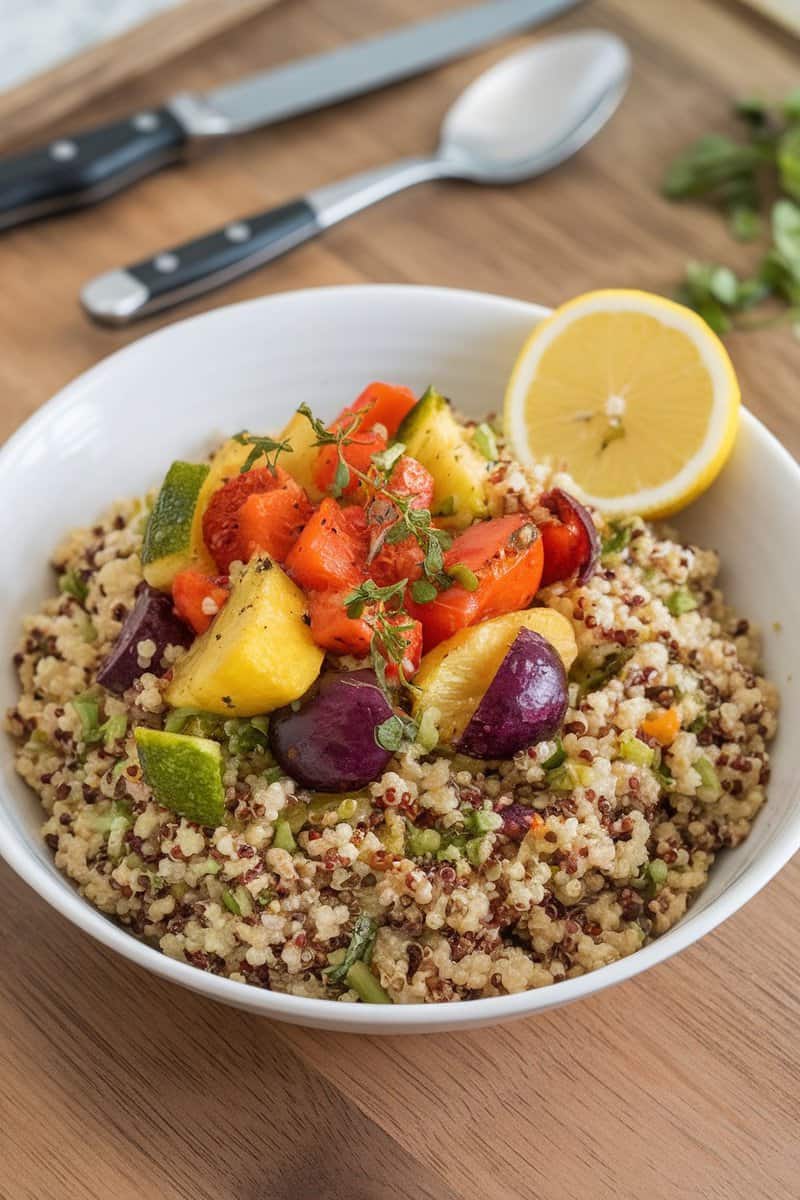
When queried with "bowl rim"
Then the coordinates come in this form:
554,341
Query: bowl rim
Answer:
322,1013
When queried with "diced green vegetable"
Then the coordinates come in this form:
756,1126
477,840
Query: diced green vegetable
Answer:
295,816
463,575
347,809
89,713
591,672
71,583
482,820
184,772
571,775
361,980
231,903
633,750
478,850
167,545
421,842
485,440
283,838
681,601
114,729
435,438
711,788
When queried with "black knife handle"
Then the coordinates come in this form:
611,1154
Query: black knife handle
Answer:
73,171
196,267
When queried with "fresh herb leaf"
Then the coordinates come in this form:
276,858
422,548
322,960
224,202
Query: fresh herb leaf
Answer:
392,733
617,541
385,460
423,591
341,478
262,447
362,941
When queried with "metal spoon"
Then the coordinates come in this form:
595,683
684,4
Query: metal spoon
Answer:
523,116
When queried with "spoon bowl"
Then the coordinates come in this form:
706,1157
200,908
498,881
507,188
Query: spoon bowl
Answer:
535,108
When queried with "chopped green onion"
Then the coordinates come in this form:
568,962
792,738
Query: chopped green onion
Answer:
244,900
231,903
658,871
486,442
681,601
462,574
176,720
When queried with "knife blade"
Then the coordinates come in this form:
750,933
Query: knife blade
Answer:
74,171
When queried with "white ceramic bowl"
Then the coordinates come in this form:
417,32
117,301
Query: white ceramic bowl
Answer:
113,432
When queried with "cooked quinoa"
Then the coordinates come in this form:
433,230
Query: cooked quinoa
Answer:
621,841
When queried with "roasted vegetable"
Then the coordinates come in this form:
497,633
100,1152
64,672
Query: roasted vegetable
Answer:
570,540
329,743
259,653
524,703
453,678
331,552
497,566
185,773
432,435
169,544
152,619
198,598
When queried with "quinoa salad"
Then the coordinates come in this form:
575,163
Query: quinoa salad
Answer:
368,712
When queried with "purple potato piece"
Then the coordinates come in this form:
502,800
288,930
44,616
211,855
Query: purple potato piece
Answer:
328,744
560,503
525,702
152,617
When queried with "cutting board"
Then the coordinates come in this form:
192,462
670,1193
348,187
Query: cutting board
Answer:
48,97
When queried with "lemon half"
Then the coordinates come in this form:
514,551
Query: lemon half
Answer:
632,394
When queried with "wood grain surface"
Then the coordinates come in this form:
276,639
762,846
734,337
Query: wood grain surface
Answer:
682,1083
54,94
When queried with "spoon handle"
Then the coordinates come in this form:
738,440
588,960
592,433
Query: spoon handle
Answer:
197,266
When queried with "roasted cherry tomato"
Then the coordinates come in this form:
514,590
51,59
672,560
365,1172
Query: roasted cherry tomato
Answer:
331,627
221,519
570,540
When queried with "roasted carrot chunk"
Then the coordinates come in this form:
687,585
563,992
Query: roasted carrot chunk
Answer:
663,726
331,627
272,522
198,598
358,457
497,565
331,552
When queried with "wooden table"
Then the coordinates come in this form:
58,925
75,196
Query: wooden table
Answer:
681,1083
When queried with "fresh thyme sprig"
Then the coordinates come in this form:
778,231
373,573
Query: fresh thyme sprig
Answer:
262,446
382,609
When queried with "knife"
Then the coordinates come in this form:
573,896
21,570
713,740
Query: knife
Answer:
75,171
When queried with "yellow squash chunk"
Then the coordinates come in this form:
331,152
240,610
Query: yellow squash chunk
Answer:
299,461
453,677
258,653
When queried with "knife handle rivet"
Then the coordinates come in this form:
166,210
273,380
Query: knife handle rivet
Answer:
238,231
145,122
166,263
63,150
